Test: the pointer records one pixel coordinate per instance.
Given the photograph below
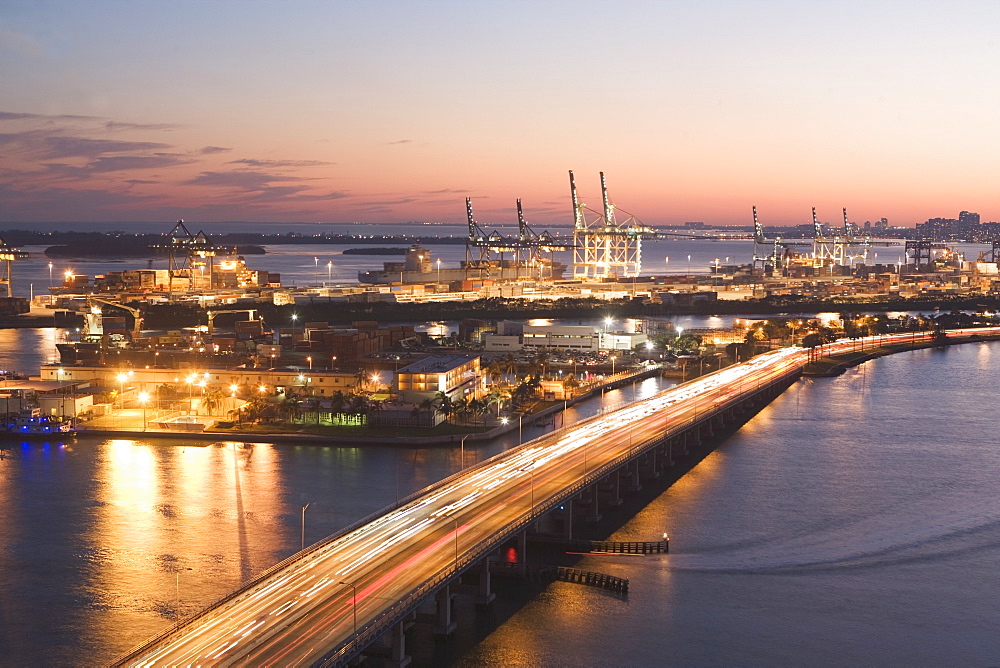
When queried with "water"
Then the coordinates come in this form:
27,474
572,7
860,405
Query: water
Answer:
316,264
852,521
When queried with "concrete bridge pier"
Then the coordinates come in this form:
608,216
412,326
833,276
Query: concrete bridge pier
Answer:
398,658
486,595
522,552
593,506
445,625
631,470
611,485
567,517
652,472
690,439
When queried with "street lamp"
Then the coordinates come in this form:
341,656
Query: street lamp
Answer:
50,274
666,265
329,271
143,399
439,270
354,604
316,260
304,524
689,264
462,465
294,318
310,360
121,389
613,358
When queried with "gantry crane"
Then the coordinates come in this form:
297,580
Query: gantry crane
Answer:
92,323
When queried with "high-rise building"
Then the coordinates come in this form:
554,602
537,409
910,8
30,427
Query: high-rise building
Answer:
968,218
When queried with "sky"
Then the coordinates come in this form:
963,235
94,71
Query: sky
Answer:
373,111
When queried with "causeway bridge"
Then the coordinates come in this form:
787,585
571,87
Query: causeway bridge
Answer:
329,603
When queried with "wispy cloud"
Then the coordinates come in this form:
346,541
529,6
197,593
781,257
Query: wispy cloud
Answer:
212,150
253,162
246,180
118,126
117,163
400,141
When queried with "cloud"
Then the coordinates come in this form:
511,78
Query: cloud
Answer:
388,202
81,147
118,163
18,116
245,180
448,191
212,150
42,203
117,125
257,187
252,162
399,141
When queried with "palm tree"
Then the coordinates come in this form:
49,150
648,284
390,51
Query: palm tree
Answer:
444,405
475,407
539,363
213,399
571,383
495,371
460,408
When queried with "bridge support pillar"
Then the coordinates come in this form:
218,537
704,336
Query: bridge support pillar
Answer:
613,488
654,472
486,594
398,658
445,626
632,471
567,527
670,454
595,512
522,552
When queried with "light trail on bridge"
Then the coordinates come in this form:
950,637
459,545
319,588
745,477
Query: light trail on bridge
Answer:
336,590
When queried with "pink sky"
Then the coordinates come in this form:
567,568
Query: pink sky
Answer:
397,111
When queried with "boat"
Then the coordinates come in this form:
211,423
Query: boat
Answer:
418,268
30,423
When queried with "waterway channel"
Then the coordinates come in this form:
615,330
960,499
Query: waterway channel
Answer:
852,521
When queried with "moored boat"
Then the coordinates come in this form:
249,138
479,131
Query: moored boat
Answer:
30,423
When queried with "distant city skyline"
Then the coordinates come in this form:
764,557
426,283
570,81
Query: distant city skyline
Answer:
310,111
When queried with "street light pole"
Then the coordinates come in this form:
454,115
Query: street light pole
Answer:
354,604
143,399
461,466
329,271
304,524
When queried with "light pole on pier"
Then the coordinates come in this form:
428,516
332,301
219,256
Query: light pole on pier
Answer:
329,271
144,399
